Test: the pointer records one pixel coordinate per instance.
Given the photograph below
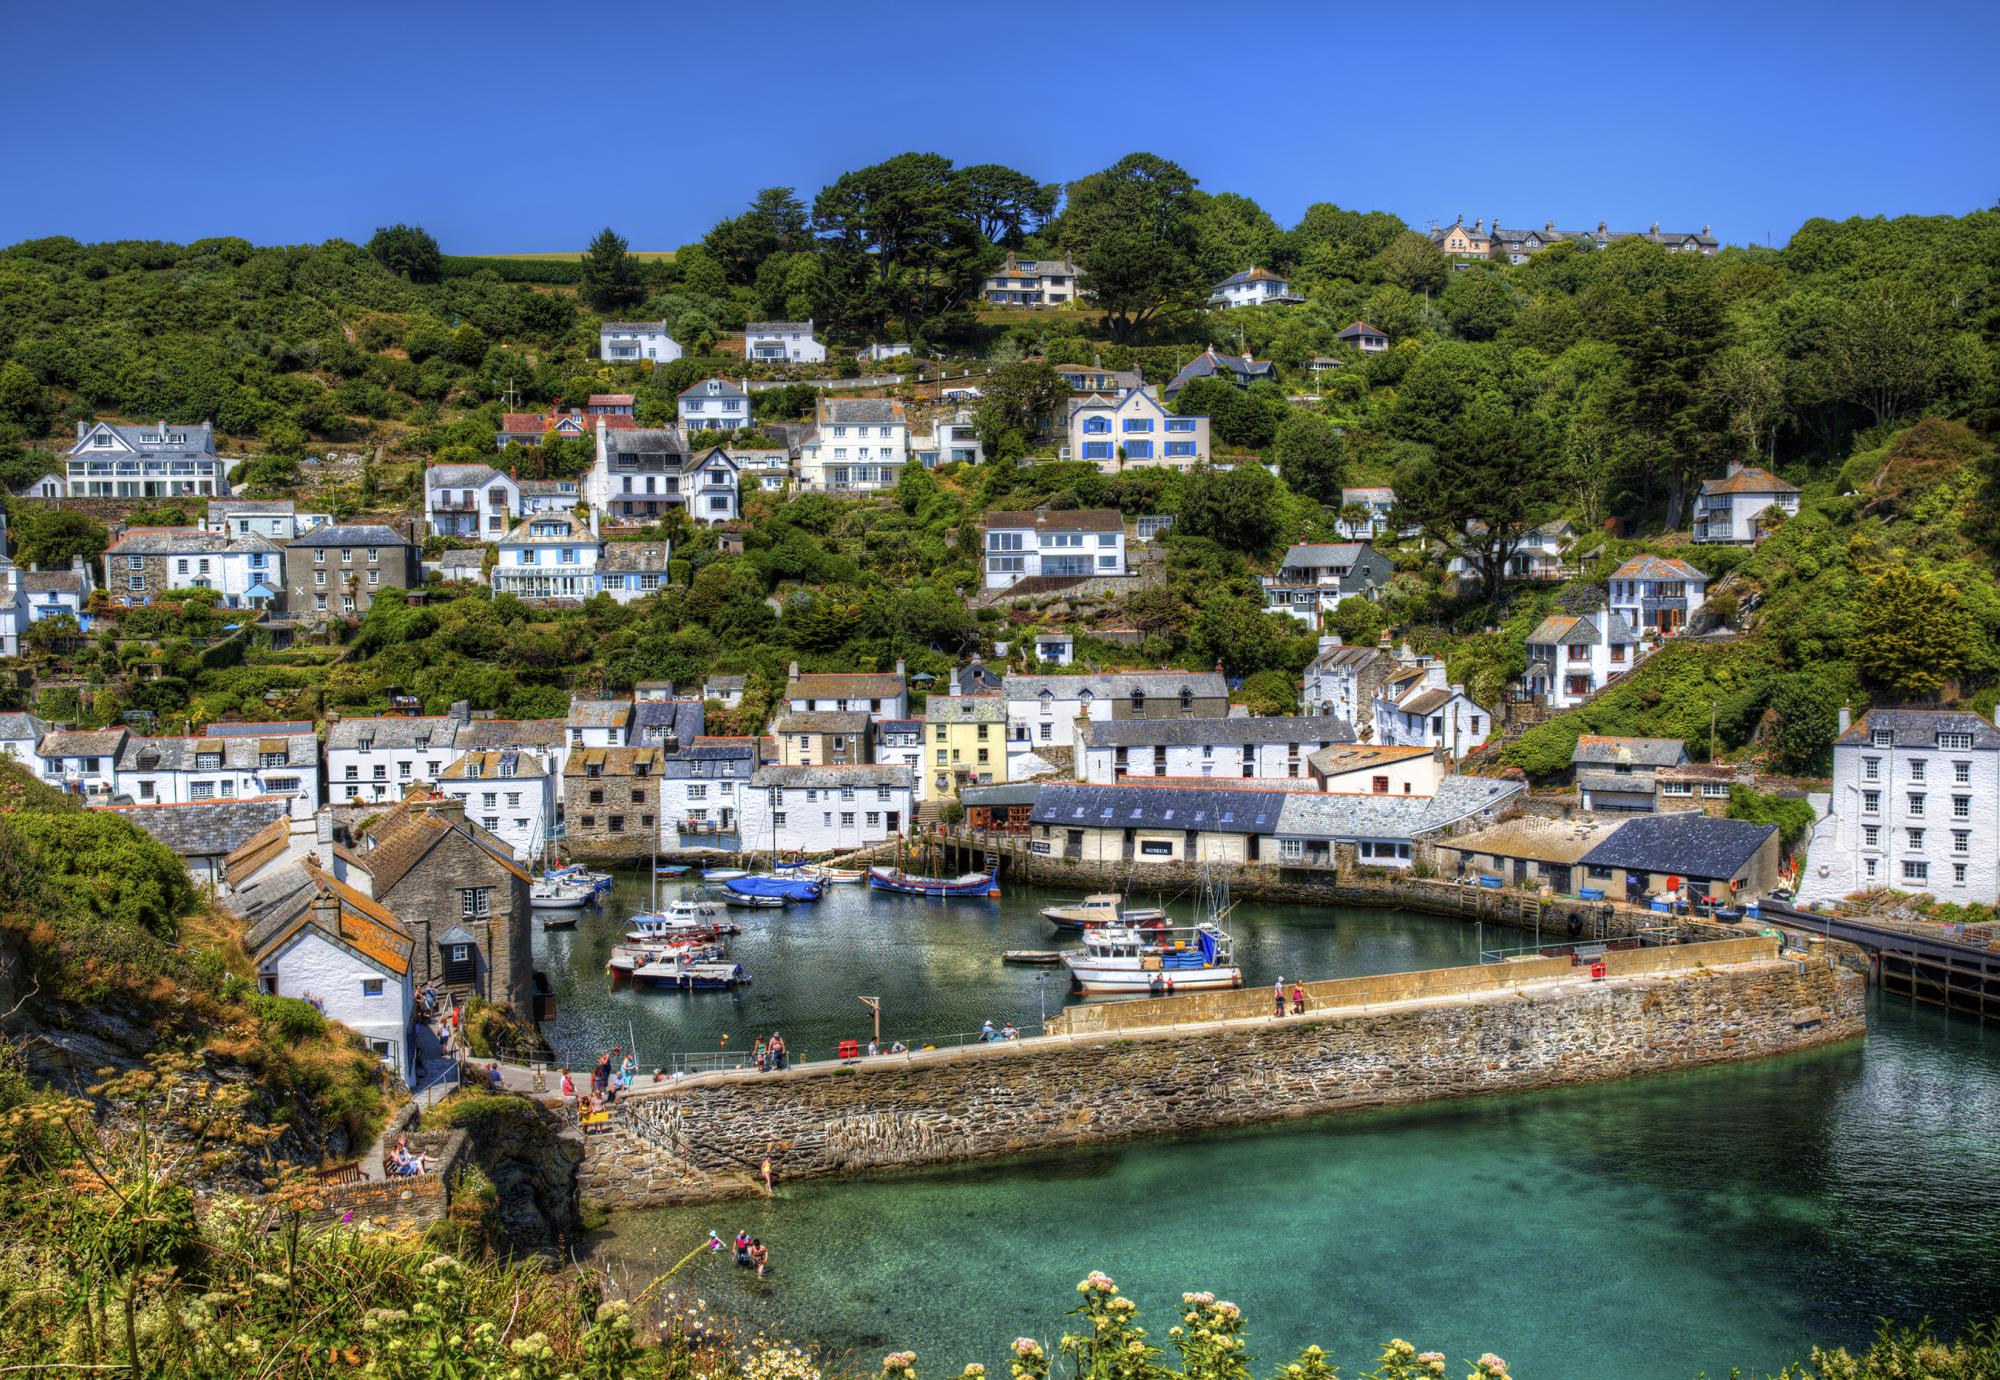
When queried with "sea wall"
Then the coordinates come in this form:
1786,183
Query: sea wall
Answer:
699,1138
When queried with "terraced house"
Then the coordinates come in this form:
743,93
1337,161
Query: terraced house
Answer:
165,460
611,801
965,742
509,794
637,474
247,571
1220,749
1658,594
336,571
1042,711
283,763
856,444
1135,430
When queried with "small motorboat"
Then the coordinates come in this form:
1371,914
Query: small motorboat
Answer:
671,870
578,875
1115,958
786,889
971,884
1040,958
1105,908
687,918
723,874
549,894
752,901
675,969
836,874
558,919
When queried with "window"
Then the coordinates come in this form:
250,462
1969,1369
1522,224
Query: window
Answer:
1871,769
371,987
1916,871
847,819
475,902
1961,807
1961,773
1913,838
1868,866
319,577
1882,738
1961,840
1954,742
616,824
1916,803
1916,769
778,819
1291,850
874,819
1871,836
1138,424
1871,802
347,555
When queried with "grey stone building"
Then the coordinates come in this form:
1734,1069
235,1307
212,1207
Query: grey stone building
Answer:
611,801
336,571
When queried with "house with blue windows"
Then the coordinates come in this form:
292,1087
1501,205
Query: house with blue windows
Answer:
559,556
1132,431
714,405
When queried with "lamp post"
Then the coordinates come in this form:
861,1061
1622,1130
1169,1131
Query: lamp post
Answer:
874,1004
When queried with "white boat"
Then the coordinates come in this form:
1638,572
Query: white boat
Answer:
1115,958
723,874
750,901
835,874
560,895
682,919
687,970
1106,908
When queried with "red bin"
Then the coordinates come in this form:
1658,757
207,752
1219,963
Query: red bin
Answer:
1597,969
848,1049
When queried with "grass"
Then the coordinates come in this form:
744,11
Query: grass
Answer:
572,255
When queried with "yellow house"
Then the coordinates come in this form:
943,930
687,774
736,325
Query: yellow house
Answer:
1465,241
965,742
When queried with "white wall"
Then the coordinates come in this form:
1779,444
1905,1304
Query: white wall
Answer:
826,822
311,966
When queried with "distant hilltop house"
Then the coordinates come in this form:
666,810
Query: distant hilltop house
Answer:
1372,519
1658,594
1026,282
1074,543
632,341
952,440
1135,430
1513,246
611,404
1536,554
1731,509
1365,338
1241,370
714,405
164,460
782,342
1254,287
878,353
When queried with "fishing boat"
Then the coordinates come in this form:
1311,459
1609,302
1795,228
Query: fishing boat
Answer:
670,869
686,918
1128,958
723,874
836,874
1040,958
676,969
1105,908
560,896
909,884
786,889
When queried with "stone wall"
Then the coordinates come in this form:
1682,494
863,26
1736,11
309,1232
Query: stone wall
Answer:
1048,1093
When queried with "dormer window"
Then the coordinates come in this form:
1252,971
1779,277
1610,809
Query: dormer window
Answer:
1956,742
1883,737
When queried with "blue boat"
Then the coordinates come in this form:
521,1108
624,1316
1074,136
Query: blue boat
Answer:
784,888
670,870
909,884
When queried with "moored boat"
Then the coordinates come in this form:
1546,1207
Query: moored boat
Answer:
785,889
670,869
836,874
1105,908
909,884
1042,958
750,901
685,970
723,874
559,895
1119,958
685,918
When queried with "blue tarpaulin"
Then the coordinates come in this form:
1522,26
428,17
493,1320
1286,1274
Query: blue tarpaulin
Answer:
792,889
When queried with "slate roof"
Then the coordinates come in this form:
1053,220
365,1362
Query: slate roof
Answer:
1077,805
1213,362
644,440
856,774
813,685
1571,630
723,683
237,753
52,581
228,507
735,756
15,727
1059,520
461,476
393,731
278,729
599,713
1658,568
554,488
965,709
613,327
101,742
1322,728
636,557
1536,839
1354,816
652,718
1427,701
822,721
1606,750
483,734
1204,684
1008,793
1918,728
1360,329
1342,758
1345,656
1307,554
778,328
727,390
206,828
368,534
495,765
148,439
1686,842
1748,480
535,531
860,412
168,541
615,761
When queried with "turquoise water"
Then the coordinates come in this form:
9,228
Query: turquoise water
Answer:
1651,1227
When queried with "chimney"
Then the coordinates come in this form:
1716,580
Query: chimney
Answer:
899,668
792,672
1656,227
34,568
1218,666
1549,227
324,824
1705,229
1735,467
1847,719
1329,642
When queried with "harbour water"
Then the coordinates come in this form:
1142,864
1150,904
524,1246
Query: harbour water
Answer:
1730,1216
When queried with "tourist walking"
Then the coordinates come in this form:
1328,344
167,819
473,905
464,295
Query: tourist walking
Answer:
626,1072
776,1051
757,1055
1278,998
1298,998
742,1247
568,1087
601,1075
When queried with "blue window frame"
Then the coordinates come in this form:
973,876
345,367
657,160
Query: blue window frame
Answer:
1138,423
1096,426
1138,450
1180,424
1180,448
1097,450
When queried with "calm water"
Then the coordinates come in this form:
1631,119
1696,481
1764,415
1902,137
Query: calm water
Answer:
1654,1227
935,965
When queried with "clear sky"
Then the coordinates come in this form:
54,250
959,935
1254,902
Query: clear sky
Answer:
513,127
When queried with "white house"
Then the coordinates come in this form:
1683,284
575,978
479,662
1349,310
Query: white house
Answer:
82,761
1733,508
900,743
827,809
703,787
636,477
1365,338
381,758
1055,648
1372,769
1254,287
952,440
1068,543
1042,710
632,570
553,556
1416,707
1535,554
512,795
247,571
53,593
855,444
713,487
713,405
726,691
782,342
226,765
547,496
161,461
20,735
1342,681
878,695
276,518
1230,748
1657,594
1028,282
1916,806
878,353
1571,657
470,501
1132,430
323,942
600,723
1375,505
1316,576
637,340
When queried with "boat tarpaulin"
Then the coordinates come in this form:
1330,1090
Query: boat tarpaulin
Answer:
790,888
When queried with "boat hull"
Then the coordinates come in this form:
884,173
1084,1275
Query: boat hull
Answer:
723,874
567,902
904,884
1098,978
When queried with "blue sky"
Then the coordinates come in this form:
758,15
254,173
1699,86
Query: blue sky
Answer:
506,127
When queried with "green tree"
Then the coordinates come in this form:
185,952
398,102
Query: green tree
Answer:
105,867
1358,621
775,225
1478,304
1237,508
52,537
1485,487
1016,405
610,275
1414,264
468,346
1132,230
1913,633
23,404
1808,717
902,245
408,250
1006,205
1311,459
1885,350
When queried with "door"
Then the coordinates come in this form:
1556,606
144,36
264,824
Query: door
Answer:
1558,876
1128,845
894,819
1073,844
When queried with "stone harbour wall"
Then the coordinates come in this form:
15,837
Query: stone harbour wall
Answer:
703,1138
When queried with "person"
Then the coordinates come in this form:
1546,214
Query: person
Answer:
1156,985
776,1050
760,1255
987,1034
659,1075
1008,1032
625,1072
600,1075
742,1247
1278,997
765,1170
714,1241
611,1092
757,1055
568,1087
899,1048
1298,997
493,1078
874,1048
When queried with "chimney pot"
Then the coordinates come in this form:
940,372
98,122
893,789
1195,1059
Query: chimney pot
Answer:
1847,718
